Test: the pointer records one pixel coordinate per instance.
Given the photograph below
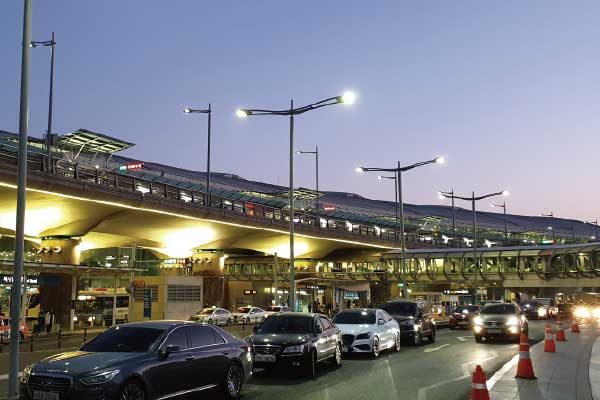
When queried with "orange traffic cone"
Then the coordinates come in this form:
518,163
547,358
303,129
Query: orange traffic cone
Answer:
524,367
575,326
560,332
549,344
479,390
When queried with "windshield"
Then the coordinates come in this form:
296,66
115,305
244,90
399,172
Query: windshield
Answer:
206,311
286,324
461,309
499,309
400,308
363,317
244,310
124,339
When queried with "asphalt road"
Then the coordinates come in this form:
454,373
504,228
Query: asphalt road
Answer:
439,371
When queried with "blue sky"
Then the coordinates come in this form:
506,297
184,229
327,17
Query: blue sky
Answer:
507,91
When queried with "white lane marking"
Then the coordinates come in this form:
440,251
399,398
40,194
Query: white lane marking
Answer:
501,372
5,376
461,338
422,394
432,349
437,332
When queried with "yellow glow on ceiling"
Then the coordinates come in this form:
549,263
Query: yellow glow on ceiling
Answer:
36,220
181,242
283,249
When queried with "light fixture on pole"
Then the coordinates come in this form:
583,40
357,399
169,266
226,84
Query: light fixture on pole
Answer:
473,199
48,139
503,207
208,111
595,222
316,153
398,171
346,98
395,178
551,227
454,241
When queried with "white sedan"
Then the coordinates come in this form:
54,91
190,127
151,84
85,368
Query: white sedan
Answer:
276,309
217,316
367,330
250,315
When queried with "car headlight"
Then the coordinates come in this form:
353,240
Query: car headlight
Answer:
512,321
99,379
26,373
541,311
477,321
294,349
596,313
582,312
363,336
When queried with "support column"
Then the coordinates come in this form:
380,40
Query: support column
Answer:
24,299
114,308
74,280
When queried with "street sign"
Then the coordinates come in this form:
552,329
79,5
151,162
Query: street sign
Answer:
147,303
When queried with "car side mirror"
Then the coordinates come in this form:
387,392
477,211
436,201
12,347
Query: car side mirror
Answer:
168,350
380,322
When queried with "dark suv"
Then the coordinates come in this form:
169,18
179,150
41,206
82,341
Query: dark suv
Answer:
415,319
143,360
296,340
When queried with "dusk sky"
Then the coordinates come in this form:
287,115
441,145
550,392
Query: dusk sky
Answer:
508,91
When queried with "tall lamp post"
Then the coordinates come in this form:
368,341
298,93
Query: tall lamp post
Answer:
454,243
551,227
208,111
346,98
595,222
316,153
395,178
503,207
15,305
48,139
398,171
473,199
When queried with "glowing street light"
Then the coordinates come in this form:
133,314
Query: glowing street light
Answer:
345,98
208,111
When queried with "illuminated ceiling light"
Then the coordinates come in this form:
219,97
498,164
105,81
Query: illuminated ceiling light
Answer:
142,189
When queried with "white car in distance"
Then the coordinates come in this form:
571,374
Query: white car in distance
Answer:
250,315
277,309
217,316
367,330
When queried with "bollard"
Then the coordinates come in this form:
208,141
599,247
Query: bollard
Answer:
31,342
84,335
59,337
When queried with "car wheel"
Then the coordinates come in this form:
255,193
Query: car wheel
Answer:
418,339
431,337
375,349
234,379
478,339
397,343
310,369
337,358
132,390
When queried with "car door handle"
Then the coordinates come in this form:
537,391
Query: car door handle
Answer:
225,353
190,358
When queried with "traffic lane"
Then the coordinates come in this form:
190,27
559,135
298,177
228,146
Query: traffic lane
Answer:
438,371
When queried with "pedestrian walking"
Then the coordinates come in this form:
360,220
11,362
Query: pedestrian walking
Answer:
49,321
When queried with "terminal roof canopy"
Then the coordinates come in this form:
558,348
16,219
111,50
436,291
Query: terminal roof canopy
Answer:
88,141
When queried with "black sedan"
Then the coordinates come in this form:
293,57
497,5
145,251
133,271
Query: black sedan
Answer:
143,360
296,340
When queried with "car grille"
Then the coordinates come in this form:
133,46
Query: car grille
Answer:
266,349
347,340
494,323
49,383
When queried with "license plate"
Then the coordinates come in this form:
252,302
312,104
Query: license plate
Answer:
494,330
38,395
264,358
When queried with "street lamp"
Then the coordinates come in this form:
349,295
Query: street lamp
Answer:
441,196
473,199
346,98
48,139
595,222
316,153
551,227
395,178
503,206
398,171
208,111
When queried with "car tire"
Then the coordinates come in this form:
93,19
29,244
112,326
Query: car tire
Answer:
478,339
233,382
337,357
310,369
132,390
396,347
431,337
375,349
